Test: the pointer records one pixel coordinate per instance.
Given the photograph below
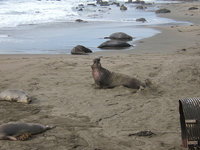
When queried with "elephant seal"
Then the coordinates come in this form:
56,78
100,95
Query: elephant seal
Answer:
141,20
21,131
15,95
106,79
114,44
119,36
80,50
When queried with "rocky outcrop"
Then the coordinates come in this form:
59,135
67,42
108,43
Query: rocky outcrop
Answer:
164,10
141,7
102,3
139,2
80,50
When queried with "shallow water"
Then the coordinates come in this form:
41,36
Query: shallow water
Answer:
60,38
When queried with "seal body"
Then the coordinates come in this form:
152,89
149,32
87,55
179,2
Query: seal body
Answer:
120,36
80,50
15,95
114,44
107,79
10,131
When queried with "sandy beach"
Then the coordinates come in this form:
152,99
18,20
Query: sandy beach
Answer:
86,118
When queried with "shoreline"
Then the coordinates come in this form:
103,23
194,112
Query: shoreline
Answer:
60,38
87,118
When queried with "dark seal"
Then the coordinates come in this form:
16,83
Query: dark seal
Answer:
21,131
106,79
80,50
114,44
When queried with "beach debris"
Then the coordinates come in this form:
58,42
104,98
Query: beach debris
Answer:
143,133
164,10
21,131
106,79
15,96
114,44
193,8
120,36
123,7
80,50
141,20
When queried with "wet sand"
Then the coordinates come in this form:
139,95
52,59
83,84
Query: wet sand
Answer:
105,119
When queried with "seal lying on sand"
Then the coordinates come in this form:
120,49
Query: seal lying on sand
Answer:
107,79
21,131
15,95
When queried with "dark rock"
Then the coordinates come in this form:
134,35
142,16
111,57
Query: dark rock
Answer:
164,10
81,9
122,7
80,50
120,36
80,20
149,4
139,2
141,20
99,1
114,44
141,7
102,3
81,5
115,3
91,4
193,8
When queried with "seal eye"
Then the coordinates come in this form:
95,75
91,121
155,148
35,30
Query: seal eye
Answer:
28,100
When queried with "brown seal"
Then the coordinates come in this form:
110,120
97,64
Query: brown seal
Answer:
107,79
21,131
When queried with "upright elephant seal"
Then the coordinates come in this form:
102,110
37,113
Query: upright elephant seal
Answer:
107,79
15,95
21,131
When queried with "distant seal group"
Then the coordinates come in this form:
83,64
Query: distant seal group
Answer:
106,79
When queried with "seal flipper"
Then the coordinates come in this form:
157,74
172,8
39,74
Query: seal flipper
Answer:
12,138
49,127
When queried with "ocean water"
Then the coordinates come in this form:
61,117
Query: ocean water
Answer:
49,26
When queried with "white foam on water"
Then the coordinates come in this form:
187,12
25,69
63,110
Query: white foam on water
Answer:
19,12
